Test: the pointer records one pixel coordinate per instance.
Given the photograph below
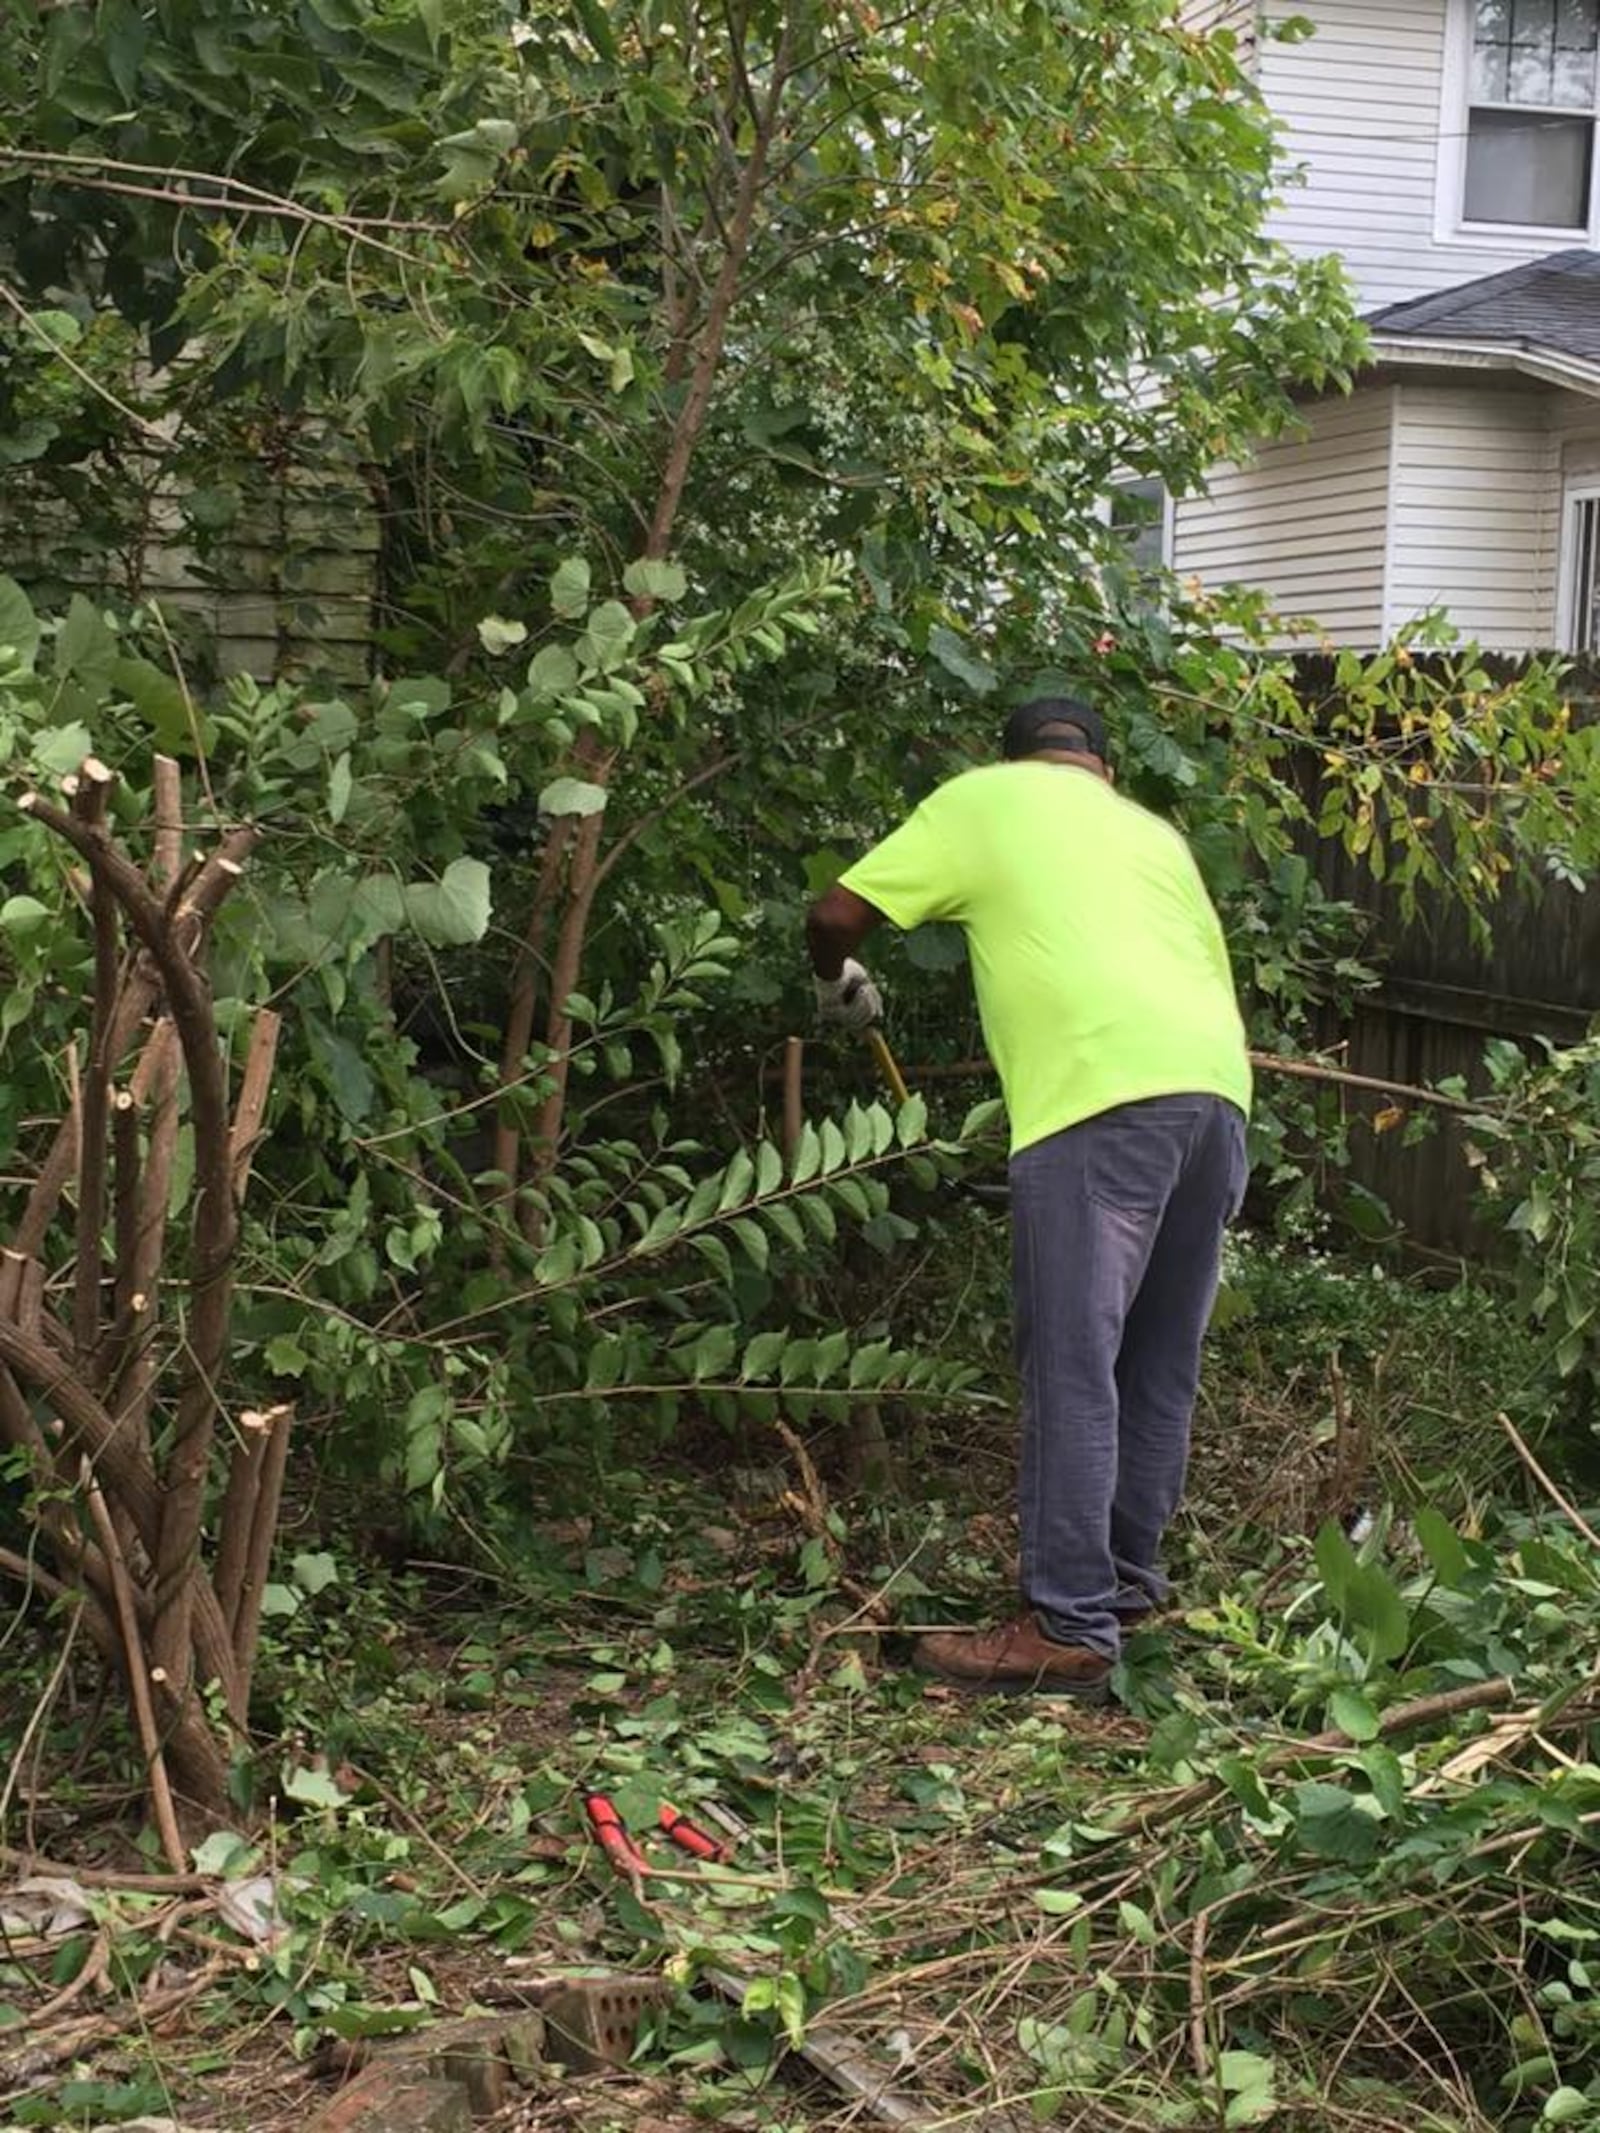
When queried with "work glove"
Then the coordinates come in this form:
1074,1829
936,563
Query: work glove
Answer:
851,1000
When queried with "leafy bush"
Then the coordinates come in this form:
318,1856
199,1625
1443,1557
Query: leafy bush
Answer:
1536,1147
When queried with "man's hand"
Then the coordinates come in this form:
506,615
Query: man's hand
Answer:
851,1000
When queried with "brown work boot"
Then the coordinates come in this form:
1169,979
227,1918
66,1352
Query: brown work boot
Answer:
1017,1659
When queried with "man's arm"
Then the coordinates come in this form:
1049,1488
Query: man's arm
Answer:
836,925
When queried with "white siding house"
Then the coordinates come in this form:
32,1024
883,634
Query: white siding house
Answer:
1447,151
1374,107
1473,518
1307,519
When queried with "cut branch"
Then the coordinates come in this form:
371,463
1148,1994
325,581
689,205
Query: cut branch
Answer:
138,1679
263,1532
252,1105
213,1234
199,903
89,801
155,1085
166,814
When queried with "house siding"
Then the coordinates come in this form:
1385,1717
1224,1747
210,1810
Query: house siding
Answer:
1305,521
1475,513
1575,442
1363,105
287,590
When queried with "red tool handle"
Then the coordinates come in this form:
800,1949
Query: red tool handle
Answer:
612,1837
688,1837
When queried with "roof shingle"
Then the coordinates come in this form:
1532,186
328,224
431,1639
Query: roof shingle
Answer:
1551,304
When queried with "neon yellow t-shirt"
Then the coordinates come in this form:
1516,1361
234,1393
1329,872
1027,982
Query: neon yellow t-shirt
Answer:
1101,970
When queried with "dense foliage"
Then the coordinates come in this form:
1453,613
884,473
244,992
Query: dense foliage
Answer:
567,474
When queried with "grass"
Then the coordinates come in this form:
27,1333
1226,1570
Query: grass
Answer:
1205,1908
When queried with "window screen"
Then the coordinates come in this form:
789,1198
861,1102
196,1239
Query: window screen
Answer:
1530,130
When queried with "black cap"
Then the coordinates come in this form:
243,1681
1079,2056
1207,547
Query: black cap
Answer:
1054,722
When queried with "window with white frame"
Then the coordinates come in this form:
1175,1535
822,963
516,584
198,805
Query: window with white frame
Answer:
1140,514
1580,573
1533,101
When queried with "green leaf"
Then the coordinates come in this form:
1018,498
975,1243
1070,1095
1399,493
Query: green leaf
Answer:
86,648
713,1353
769,1168
911,1122
160,701
354,2023
1567,2106
314,1573
1386,1775
23,915
791,2007
340,783
1249,2081
1332,1823
1336,1563
222,1853
936,946
312,1788
57,750
1244,1782
967,667
453,911
497,635
1059,1903
648,580
762,1355
284,1356
123,39
572,796
1350,1711
552,672
1373,1604
569,587
597,28
736,1182
19,626
608,634
807,1155
1440,1541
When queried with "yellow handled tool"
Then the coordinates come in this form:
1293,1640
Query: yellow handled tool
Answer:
887,1067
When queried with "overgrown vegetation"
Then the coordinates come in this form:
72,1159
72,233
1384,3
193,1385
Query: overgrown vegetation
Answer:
1313,1878
547,483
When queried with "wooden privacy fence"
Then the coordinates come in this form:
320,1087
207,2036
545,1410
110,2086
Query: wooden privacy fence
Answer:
1443,996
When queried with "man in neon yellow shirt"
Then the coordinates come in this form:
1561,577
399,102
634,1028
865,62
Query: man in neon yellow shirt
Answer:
1108,1008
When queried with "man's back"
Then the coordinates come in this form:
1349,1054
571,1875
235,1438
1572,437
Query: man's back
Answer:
1101,971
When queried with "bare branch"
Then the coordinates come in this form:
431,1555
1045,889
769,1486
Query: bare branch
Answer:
214,1229
138,1680
252,1105
89,802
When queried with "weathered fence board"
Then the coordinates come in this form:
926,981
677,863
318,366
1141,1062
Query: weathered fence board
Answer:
1445,994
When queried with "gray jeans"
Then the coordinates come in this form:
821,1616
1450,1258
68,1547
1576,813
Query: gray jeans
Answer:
1117,1241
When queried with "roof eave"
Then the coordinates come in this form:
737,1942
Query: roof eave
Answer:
1546,365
